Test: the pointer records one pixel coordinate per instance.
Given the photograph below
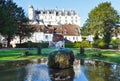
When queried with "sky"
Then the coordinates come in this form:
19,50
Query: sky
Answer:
82,7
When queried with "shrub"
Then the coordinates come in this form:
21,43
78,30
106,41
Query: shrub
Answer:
86,44
102,45
95,44
115,42
69,45
99,43
32,45
77,44
84,38
44,45
23,45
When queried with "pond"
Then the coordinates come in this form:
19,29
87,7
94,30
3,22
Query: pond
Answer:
37,70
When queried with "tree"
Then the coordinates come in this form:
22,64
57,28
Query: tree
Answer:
101,20
116,31
85,31
23,29
7,23
13,21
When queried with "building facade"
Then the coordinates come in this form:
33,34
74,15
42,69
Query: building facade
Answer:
63,20
53,16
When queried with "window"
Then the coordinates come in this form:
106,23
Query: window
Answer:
65,21
73,38
60,17
72,21
76,21
76,38
57,13
50,12
71,17
46,36
65,17
76,17
43,12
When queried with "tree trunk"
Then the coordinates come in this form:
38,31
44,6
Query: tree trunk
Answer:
8,41
20,39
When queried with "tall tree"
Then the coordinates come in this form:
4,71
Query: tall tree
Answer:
101,20
13,21
7,23
23,28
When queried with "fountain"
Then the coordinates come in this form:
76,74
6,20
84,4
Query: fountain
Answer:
61,57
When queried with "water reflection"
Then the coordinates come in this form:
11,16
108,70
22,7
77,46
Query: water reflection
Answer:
101,71
37,70
61,75
79,71
15,74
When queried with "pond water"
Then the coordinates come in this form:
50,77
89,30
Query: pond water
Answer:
37,70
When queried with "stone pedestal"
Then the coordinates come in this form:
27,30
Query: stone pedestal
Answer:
61,58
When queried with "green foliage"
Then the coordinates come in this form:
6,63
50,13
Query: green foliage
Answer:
85,31
99,43
102,45
96,41
77,44
69,45
115,42
23,29
101,20
13,21
7,22
86,44
30,44
83,37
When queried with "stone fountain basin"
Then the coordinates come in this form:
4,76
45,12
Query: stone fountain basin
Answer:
61,58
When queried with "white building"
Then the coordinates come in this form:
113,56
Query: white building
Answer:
53,16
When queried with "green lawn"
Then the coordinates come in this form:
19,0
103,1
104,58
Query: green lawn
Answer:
107,55
15,54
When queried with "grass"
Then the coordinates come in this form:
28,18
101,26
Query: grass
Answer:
15,54
107,55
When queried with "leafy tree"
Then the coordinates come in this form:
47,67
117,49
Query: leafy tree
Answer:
85,31
23,29
7,23
13,21
116,31
101,21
